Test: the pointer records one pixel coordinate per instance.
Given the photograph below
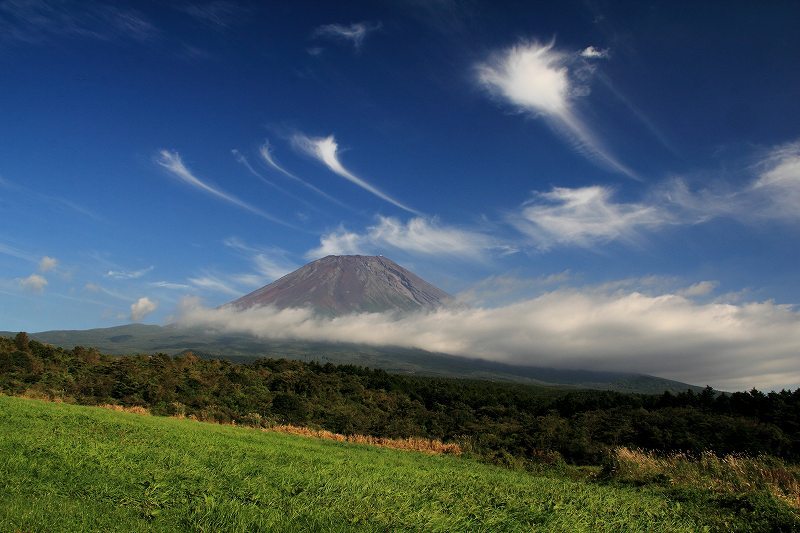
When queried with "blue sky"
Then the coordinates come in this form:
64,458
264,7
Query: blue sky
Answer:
151,153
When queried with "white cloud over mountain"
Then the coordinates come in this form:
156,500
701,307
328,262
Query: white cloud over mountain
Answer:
730,346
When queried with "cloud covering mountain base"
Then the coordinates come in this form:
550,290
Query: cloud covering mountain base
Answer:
729,346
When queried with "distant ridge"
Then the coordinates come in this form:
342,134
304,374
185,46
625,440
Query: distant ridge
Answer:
343,284
141,338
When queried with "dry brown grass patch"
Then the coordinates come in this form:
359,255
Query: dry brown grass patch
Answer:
417,444
135,409
727,474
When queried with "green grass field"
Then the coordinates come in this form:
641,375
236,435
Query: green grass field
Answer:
71,468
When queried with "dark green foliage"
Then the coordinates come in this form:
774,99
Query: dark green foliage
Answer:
241,348
21,341
501,422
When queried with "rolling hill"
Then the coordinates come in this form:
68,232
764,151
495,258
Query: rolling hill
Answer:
73,468
141,338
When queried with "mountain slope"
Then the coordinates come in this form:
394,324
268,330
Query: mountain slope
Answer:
342,284
140,338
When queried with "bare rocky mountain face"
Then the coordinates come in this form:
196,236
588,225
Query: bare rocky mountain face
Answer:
343,284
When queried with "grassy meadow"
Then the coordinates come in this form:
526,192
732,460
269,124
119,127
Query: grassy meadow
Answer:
73,468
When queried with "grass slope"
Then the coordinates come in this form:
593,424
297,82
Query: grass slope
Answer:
72,468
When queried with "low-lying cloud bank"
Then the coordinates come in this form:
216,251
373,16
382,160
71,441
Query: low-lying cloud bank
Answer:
729,346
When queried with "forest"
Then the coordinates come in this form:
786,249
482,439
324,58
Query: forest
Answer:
500,422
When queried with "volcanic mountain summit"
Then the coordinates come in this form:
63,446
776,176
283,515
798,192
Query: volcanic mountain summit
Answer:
343,284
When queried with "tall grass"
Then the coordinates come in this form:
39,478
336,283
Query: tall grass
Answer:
71,468
417,444
731,474
431,446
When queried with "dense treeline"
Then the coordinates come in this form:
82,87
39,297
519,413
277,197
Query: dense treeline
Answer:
502,422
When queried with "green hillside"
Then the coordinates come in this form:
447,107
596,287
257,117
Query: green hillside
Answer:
72,468
172,340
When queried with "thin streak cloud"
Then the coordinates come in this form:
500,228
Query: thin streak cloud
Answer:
355,33
215,284
172,161
326,151
170,285
129,274
535,79
41,21
95,288
639,114
242,160
53,200
266,154
19,254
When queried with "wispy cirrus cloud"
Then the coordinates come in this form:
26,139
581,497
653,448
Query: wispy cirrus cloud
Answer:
417,236
56,201
778,184
214,283
589,216
771,195
129,274
584,216
535,78
638,113
270,263
504,289
172,161
354,33
170,285
265,150
217,14
39,21
11,251
242,160
326,151
266,265
96,288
